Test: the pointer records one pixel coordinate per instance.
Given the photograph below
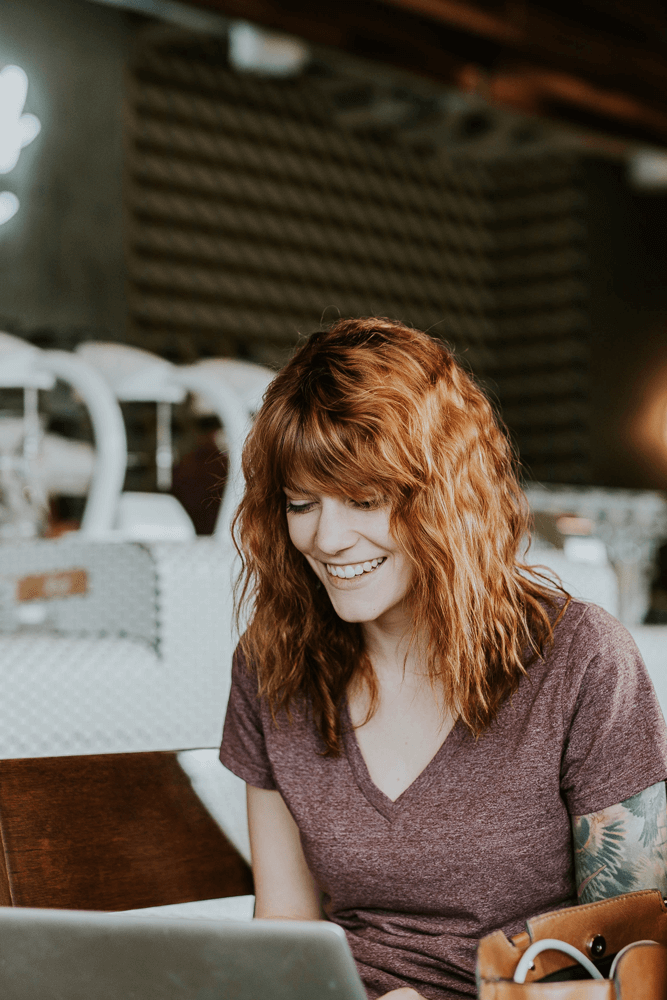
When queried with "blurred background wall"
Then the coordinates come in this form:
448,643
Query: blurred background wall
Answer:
628,317
62,256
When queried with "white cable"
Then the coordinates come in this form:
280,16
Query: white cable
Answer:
552,944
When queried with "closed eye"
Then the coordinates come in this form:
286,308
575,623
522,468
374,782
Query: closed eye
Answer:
302,507
298,508
369,504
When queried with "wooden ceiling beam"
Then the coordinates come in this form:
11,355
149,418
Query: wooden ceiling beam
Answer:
527,57
540,36
465,17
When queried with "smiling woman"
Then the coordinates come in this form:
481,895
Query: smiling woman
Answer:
424,723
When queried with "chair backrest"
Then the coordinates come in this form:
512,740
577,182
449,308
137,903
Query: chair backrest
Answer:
23,365
133,374
110,832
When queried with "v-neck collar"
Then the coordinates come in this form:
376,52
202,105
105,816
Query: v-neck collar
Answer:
387,807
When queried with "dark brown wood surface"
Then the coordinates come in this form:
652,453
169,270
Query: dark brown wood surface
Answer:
110,832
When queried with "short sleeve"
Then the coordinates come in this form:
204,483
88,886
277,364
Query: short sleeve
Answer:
615,735
243,748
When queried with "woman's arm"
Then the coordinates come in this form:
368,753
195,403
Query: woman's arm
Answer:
284,887
622,848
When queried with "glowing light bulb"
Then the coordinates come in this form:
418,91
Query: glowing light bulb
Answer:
253,50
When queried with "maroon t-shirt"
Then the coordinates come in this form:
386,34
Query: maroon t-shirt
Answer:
481,839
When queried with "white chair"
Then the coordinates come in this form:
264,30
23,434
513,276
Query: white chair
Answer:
249,381
227,388
24,366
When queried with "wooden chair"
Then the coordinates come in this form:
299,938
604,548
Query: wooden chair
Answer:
110,832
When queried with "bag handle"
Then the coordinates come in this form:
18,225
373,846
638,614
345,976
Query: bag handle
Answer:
622,952
552,944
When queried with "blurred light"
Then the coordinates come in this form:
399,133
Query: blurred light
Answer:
569,524
9,206
16,129
253,50
648,169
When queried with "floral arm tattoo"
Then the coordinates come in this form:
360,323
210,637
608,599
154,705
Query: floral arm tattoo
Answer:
622,848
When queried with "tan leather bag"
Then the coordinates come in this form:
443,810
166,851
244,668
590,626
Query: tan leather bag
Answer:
631,928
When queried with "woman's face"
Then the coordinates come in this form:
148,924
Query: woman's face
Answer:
352,552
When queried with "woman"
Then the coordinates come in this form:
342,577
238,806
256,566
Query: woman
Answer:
436,742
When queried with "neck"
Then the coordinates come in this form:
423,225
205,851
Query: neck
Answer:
399,666
391,650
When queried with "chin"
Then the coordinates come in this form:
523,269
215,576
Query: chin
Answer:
351,617
354,614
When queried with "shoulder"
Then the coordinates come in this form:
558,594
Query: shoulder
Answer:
596,665
239,660
243,749
249,694
588,623
244,697
587,635
242,672
615,739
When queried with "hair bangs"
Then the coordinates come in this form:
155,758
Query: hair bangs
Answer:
321,454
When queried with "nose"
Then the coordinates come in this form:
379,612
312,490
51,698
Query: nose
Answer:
335,532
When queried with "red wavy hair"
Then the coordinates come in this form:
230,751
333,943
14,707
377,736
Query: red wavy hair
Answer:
371,407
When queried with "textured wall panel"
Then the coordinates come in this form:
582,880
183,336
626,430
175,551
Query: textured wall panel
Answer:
254,214
540,344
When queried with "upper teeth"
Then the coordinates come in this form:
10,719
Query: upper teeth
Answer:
354,569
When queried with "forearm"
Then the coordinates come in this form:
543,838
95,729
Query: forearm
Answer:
306,912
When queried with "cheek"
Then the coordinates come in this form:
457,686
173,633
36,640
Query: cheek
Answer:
404,575
299,532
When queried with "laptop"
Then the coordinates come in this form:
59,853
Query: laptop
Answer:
77,955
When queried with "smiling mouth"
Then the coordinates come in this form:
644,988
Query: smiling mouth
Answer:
352,570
